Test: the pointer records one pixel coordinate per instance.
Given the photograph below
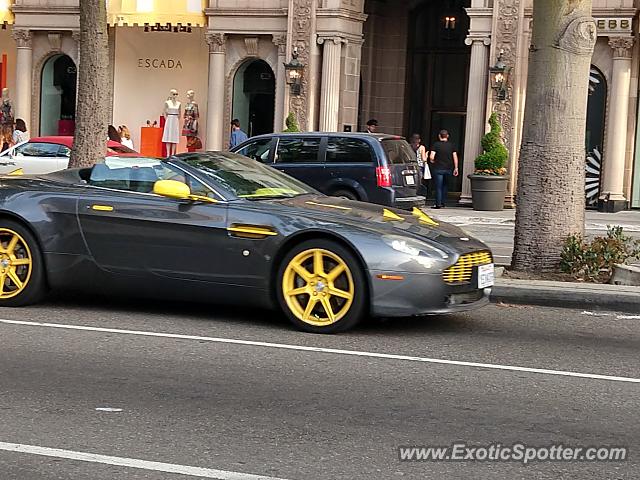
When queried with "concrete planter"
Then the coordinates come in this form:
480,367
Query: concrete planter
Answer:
488,191
625,275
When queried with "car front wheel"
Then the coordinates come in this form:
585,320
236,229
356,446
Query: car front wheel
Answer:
321,287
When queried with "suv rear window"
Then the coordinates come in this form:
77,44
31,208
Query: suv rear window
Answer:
399,151
348,150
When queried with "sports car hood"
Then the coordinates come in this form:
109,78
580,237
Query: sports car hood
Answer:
379,219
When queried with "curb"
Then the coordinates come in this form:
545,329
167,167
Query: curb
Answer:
563,295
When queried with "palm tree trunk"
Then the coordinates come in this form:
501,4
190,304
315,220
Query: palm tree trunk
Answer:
551,172
93,96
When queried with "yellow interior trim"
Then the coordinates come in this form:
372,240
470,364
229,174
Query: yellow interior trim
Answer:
338,207
389,215
102,208
423,217
125,12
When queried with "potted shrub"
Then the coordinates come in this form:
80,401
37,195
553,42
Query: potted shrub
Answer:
292,124
489,180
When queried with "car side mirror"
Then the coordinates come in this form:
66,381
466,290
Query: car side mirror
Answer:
178,191
172,189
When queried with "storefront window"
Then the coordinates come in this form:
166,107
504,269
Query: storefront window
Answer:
58,96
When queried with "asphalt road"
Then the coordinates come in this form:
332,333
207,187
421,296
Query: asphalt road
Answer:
236,392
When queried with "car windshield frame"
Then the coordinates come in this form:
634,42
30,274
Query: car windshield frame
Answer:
269,183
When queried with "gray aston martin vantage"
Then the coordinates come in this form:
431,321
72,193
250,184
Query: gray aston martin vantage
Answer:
223,228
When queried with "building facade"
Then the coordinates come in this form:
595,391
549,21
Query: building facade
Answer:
417,66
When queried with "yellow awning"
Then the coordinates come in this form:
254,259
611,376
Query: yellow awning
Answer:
152,12
6,15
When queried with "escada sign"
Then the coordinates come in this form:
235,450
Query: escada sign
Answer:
159,63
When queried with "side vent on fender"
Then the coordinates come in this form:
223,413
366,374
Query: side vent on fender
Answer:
251,231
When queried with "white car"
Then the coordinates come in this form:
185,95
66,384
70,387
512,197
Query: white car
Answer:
47,154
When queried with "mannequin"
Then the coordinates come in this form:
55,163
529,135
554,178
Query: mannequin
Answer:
190,128
6,109
171,111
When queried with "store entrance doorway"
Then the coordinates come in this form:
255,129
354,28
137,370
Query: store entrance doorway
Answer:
58,96
254,92
438,62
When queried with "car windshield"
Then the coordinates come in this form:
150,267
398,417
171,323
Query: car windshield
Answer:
245,178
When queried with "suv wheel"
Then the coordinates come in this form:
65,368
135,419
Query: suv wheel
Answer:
348,194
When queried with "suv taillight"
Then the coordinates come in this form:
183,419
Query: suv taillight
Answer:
383,175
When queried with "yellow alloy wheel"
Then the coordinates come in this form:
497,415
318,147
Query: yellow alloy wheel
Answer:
318,287
15,263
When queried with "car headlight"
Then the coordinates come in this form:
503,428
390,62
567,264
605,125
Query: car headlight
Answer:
414,248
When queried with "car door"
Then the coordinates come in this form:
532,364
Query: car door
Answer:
36,158
350,163
130,231
299,156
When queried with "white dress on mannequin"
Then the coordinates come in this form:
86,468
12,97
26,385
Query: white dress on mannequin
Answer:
171,132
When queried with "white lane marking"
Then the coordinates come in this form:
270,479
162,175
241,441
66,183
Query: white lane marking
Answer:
618,317
131,462
108,409
595,314
336,351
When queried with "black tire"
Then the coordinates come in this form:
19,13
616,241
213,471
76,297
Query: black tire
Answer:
352,314
35,289
348,194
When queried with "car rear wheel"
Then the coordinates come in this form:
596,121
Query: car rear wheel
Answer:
21,266
321,287
348,194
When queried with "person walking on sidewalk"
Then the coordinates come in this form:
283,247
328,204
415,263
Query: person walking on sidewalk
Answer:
422,158
444,159
372,126
237,135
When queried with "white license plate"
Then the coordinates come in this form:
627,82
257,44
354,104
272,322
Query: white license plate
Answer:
485,275
410,180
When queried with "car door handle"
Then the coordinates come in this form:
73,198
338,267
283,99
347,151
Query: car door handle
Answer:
101,208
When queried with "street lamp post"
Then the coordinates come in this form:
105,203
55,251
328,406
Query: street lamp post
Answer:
295,70
499,77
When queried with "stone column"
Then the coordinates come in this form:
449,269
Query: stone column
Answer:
476,102
282,99
24,68
612,195
215,96
330,92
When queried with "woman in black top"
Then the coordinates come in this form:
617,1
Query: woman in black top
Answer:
444,161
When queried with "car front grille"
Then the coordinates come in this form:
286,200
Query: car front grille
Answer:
462,270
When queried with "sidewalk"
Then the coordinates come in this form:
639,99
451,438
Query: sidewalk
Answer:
594,221
496,230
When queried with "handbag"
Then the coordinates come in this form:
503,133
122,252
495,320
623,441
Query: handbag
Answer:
194,142
427,172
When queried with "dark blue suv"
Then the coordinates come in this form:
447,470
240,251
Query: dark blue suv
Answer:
373,168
